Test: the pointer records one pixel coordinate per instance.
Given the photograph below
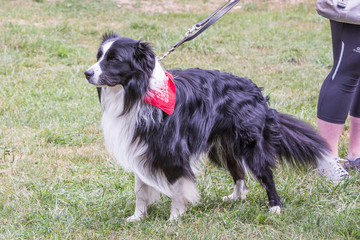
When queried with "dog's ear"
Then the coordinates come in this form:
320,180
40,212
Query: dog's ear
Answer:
142,50
138,85
144,56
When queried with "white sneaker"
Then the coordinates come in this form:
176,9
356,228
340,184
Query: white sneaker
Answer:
334,171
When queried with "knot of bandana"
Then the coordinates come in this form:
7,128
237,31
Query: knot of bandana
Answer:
164,97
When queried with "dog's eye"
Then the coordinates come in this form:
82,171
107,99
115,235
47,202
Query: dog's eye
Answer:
111,57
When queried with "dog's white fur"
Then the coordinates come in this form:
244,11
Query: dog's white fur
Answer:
158,77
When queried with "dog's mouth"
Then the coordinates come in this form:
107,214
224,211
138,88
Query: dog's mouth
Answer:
92,82
95,84
98,82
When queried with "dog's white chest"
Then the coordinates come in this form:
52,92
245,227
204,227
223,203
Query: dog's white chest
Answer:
119,130
118,137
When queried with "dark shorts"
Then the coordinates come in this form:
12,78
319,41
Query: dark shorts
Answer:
340,92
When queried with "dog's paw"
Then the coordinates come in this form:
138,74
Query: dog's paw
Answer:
235,197
135,218
275,210
176,214
175,217
231,197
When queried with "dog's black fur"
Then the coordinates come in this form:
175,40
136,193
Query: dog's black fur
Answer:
216,113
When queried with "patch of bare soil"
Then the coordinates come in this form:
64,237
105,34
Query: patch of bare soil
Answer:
176,6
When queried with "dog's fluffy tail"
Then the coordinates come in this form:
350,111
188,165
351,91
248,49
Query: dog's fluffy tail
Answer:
300,144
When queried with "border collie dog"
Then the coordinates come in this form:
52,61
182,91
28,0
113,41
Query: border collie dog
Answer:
205,112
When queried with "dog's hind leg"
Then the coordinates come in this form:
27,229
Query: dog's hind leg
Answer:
265,177
240,191
183,191
145,195
240,188
267,180
223,155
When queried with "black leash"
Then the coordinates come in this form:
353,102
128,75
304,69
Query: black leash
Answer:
203,25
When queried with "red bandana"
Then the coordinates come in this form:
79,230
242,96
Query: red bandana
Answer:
165,97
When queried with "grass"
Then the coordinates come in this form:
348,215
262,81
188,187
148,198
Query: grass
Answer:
56,179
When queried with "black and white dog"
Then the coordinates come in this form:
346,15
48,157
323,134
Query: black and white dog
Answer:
200,112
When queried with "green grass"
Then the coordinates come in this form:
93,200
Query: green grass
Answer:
56,179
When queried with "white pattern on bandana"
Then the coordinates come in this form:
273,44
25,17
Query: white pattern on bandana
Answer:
163,93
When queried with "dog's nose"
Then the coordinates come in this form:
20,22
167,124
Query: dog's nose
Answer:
89,74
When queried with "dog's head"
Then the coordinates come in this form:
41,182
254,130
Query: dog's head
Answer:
123,61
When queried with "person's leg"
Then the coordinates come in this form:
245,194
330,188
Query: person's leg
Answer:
331,133
354,141
340,93
330,125
354,138
354,145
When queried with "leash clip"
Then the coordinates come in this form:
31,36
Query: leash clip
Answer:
202,26
192,29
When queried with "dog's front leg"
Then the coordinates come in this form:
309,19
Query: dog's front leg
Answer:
183,191
145,195
178,201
